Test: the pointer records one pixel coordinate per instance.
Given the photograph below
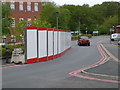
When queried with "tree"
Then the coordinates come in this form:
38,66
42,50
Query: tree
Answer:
111,21
6,19
20,28
40,23
103,30
50,13
103,15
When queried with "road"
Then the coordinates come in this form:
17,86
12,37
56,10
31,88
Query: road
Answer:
55,73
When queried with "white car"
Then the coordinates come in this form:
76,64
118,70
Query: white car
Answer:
115,36
118,42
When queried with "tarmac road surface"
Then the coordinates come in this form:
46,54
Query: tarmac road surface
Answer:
55,73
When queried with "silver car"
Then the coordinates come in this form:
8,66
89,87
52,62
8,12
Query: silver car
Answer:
118,42
115,36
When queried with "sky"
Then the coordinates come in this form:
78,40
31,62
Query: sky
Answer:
81,2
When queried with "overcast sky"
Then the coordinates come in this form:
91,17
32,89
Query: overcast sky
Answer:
80,2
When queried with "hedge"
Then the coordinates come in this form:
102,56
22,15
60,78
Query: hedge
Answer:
10,49
88,35
78,36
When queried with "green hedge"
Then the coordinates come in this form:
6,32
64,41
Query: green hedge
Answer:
78,36
74,37
88,35
10,49
95,34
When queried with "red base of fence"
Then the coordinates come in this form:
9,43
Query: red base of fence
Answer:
34,60
50,57
42,59
55,56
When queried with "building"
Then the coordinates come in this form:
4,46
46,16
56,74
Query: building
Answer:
25,10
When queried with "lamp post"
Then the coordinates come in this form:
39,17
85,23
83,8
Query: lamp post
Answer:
57,19
79,25
113,29
6,47
110,34
86,30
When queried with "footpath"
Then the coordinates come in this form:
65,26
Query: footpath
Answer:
111,67
109,70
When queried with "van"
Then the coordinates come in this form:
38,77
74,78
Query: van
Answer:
115,36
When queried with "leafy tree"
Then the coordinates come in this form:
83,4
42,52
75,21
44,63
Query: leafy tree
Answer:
19,29
98,17
0,20
6,19
64,18
103,30
40,23
111,21
50,13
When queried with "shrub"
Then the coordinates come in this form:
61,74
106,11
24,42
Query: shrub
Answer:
3,52
78,36
95,34
74,38
88,35
10,49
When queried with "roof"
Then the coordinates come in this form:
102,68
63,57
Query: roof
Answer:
25,0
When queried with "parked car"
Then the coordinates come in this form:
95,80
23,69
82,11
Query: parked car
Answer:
84,41
115,36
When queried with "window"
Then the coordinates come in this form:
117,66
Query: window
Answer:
29,22
4,3
21,6
12,5
43,3
36,7
29,7
13,22
21,19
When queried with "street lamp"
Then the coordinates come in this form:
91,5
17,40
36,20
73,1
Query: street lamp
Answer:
86,30
113,29
57,19
6,47
79,25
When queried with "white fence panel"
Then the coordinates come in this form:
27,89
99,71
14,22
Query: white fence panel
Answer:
42,44
50,44
55,43
31,44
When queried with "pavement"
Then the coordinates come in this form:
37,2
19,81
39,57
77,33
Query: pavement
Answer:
55,73
112,48
111,66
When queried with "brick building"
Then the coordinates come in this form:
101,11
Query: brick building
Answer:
25,10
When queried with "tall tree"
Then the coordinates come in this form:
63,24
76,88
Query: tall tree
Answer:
6,19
